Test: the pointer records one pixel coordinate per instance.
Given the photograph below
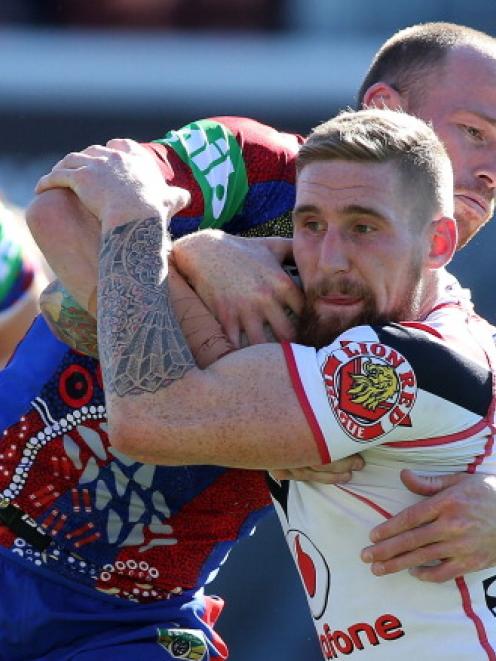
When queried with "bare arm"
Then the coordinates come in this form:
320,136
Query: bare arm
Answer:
69,237
147,366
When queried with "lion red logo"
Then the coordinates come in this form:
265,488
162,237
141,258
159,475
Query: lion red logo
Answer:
371,388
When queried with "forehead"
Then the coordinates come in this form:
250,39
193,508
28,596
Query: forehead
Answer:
467,81
336,184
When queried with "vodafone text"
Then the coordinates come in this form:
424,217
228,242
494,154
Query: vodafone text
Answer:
357,636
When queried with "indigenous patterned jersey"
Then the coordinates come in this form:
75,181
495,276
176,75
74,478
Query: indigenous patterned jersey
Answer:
136,531
414,395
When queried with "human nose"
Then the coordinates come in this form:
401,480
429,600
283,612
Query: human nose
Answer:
487,170
334,257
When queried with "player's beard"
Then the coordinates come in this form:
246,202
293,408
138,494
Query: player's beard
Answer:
316,332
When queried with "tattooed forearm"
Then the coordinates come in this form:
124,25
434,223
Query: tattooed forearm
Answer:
68,320
141,344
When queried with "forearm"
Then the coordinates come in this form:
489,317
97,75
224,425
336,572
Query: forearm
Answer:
68,320
141,345
69,237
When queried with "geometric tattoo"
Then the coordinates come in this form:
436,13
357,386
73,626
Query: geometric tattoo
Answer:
142,347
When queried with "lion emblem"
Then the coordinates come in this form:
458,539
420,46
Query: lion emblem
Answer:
376,385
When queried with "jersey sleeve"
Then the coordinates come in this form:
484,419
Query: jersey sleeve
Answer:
240,174
388,385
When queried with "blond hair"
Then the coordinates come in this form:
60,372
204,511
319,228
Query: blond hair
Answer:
379,136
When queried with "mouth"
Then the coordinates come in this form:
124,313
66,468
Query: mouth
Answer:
475,202
339,300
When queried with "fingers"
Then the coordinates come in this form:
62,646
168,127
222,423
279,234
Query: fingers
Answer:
286,293
336,472
281,325
354,462
311,475
404,543
410,518
280,247
63,172
227,319
124,144
453,529
60,178
253,326
420,559
429,485
446,570
292,298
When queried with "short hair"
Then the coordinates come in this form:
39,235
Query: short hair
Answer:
411,55
380,136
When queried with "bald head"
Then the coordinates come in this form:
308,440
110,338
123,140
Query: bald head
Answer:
410,57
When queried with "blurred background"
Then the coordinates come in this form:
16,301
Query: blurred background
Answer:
78,72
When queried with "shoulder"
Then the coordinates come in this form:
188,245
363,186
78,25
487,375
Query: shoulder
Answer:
410,354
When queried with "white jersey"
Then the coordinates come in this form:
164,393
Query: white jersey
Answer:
416,395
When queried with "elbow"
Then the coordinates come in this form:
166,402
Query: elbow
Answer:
140,440
124,437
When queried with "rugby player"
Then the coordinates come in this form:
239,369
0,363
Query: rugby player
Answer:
373,231
442,73
23,276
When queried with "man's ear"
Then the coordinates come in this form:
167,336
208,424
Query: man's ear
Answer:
443,241
382,95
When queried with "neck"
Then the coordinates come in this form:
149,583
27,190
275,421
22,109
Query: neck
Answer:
430,292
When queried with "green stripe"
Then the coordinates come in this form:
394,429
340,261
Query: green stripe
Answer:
216,161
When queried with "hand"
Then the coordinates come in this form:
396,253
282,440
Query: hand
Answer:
241,281
117,183
456,526
337,472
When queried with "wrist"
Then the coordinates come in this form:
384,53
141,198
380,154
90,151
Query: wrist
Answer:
125,214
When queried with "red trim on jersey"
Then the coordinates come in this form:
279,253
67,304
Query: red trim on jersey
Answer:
490,421
423,327
460,582
452,304
367,501
472,615
480,458
440,440
305,404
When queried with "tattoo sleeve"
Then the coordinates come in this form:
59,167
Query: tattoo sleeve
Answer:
68,320
142,347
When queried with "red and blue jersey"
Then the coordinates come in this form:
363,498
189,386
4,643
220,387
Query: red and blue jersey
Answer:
73,508
241,175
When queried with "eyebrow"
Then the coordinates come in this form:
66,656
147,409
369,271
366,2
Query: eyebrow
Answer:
480,115
348,210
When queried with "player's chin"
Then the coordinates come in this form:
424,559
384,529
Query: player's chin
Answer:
469,222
